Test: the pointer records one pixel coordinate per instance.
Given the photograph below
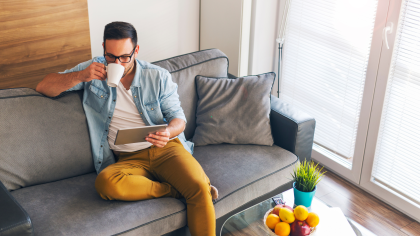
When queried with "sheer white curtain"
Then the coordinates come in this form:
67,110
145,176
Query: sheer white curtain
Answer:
326,52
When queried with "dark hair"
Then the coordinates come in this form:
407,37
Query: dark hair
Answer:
120,30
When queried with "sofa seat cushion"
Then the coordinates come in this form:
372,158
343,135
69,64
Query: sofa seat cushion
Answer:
242,173
73,207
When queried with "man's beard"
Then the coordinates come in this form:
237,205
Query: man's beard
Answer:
128,69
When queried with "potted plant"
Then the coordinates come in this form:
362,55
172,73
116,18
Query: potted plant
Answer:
306,176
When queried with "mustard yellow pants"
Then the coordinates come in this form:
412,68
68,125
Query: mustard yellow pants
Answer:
155,172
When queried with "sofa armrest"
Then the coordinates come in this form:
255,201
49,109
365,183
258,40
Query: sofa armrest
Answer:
13,218
292,129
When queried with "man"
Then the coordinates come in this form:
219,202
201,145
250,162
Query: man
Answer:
146,95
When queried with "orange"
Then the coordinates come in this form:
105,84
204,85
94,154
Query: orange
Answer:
272,220
282,229
313,219
301,213
286,215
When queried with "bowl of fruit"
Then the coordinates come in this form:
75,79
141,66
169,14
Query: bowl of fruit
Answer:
282,220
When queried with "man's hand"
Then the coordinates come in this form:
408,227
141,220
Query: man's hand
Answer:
93,71
159,139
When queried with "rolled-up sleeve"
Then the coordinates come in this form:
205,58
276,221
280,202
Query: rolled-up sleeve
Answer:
169,99
79,67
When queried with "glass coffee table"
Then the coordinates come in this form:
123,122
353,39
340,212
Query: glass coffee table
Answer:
251,220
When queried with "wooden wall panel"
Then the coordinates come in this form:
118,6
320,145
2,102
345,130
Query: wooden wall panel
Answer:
38,37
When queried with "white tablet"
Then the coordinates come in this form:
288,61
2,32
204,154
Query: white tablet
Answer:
135,135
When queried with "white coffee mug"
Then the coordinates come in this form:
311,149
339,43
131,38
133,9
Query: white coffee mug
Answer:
115,72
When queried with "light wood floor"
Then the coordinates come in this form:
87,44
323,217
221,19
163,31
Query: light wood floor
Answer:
365,209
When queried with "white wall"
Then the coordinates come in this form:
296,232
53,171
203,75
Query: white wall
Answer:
221,28
225,24
165,28
263,51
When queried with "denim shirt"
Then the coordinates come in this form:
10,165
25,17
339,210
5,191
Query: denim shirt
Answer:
155,96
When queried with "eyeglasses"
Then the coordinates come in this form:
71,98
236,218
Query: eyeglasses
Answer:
123,59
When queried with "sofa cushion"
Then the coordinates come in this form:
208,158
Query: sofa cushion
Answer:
242,173
184,68
42,139
235,111
73,207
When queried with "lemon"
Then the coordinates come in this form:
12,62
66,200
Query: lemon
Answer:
286,215
272,220
301,213
313,219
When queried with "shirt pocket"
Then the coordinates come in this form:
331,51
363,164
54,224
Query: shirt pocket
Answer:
96,98
154,112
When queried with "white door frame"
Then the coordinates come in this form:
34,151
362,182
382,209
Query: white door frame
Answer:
398,201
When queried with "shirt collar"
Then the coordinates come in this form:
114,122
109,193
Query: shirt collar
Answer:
136,79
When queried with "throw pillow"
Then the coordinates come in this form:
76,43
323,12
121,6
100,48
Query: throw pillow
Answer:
235,111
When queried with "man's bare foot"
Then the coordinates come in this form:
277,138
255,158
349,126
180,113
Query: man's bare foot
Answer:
214,192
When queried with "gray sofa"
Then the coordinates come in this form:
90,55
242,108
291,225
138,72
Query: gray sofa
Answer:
47,174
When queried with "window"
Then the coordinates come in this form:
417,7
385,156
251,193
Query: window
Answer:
326,54
396,161
364,95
